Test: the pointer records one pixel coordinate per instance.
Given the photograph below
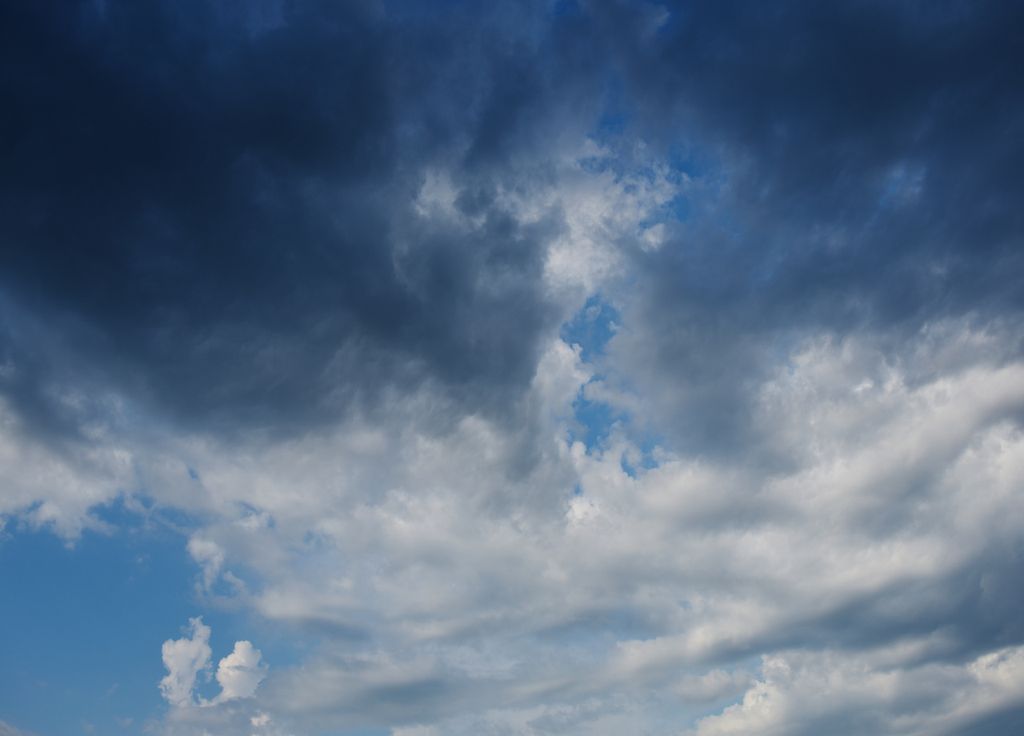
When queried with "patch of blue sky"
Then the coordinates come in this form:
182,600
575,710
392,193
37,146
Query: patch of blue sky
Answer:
644,459
83,625
592,328
594,421
614,131
629,167
129,512
676,209
644,446
684,158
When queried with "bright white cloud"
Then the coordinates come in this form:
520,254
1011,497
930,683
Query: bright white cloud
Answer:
59,488
184,659
606,210
853,693
238,674
455,552
490,573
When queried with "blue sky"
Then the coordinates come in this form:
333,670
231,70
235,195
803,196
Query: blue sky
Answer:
99,607
511,368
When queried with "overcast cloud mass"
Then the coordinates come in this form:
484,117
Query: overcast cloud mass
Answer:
516,368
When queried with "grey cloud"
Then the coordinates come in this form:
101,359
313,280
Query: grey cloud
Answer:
636,584
221,222
355,229
857,171
1007,720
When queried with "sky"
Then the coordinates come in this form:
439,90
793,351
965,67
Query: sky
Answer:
388,368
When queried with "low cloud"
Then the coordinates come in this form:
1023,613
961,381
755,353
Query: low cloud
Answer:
239,674
799,694
531,368
185,659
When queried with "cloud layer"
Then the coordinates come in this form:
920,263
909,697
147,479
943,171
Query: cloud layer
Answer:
539,367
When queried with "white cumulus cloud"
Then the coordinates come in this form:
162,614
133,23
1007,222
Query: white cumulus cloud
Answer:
184,659
238,674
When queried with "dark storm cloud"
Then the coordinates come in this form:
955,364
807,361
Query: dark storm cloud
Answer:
1006,720
212,205
873,150
858,168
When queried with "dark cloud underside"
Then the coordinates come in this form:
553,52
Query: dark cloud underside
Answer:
226,210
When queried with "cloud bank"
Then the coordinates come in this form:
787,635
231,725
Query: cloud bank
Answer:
534,368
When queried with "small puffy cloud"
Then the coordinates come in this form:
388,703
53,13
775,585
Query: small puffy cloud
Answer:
238,674
184,659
